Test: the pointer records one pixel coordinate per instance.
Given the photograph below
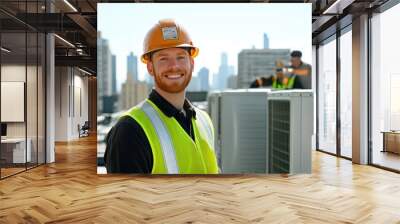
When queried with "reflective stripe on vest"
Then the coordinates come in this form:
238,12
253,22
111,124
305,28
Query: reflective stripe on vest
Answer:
163,136
289,85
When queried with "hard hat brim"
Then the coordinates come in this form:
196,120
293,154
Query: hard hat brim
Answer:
193,53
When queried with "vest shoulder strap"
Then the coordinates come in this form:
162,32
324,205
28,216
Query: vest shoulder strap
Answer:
163,135
205,126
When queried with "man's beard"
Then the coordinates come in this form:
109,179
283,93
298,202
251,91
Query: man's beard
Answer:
172,86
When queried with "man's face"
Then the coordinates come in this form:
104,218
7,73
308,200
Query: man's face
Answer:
296,61
172,69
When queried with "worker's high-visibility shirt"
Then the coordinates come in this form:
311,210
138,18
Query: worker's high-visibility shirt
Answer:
173,148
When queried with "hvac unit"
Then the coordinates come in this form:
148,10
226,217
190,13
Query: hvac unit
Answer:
290,118
242,128
213,108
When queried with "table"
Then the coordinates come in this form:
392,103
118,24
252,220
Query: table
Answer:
391,141
15,148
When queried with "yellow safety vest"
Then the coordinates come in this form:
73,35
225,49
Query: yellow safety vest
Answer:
289,85
174,151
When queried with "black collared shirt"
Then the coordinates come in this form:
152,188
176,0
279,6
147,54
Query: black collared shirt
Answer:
128,150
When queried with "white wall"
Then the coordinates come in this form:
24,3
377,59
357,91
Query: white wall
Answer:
71,87
34,124
61,103
81,89
16,73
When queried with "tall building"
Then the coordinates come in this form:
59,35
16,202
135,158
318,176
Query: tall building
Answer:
203,75
266,41
149,80
214,82
220,79
132,63
224,59
104,71
232,82
132,93
110,103
114,74
194,85
231,70
255,63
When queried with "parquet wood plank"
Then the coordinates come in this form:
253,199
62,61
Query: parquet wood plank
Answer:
70,191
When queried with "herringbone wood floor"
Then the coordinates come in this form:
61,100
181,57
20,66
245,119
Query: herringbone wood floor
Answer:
70,191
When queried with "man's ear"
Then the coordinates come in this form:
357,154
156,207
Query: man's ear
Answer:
192,63
150,68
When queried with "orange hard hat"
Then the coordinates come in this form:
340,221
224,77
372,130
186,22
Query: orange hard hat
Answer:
166,34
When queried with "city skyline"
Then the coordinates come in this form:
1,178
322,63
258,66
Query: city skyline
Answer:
210,80
216,81
293,31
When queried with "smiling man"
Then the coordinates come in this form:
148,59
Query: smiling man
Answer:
165,134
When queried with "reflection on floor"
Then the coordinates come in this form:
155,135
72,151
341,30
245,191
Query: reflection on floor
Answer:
346,152
10,169
387,159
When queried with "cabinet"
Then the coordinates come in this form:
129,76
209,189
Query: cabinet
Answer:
391,141
13,150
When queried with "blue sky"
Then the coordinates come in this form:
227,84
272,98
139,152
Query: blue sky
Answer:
214,28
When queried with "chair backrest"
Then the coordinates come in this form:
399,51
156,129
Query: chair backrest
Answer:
86,125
